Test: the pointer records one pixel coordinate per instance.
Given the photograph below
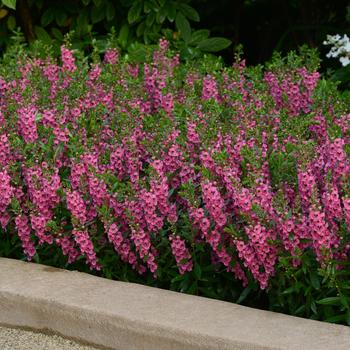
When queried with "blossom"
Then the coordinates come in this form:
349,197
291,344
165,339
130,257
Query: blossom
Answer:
27,123
86,247
76,205
23,229
68,248
111,56
210,88
68,59
341,47
181,254
6,191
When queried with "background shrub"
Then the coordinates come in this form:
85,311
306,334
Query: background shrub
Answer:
261,26
134,23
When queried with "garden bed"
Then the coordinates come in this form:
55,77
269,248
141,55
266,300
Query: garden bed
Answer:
225,182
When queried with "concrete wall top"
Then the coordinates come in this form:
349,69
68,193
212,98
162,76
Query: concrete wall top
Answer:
129,316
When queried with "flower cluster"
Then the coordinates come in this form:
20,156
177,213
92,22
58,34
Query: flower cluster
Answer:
86,247
340,48
6,194
23,229
181,254
26,124
76,205
166,168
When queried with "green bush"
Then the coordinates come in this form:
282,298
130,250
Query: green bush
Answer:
134,23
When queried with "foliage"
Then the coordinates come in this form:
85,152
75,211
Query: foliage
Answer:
135,22
230,183
261,26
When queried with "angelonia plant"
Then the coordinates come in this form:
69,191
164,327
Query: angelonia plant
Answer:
227,182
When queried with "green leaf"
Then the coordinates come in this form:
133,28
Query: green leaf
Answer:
110,11
193,288
214,44
336,318
47,17
183,27
97,14
36,258
189,12
123,35
348,317
150,19
171,11
11,22
344,301
315,282
150,5
177,278
348,13
299,310
38,117
341,74
61,18
101,45
134,13
199,35
141,28
197,271
208,292
10,4
42,34
313,307
82,22
39,4
85,2
161,14
185,283
329,301
289,290
244,294
57,34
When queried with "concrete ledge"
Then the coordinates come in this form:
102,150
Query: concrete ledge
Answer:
128,316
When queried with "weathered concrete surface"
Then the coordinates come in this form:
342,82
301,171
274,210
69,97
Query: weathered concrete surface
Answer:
128,316
19,339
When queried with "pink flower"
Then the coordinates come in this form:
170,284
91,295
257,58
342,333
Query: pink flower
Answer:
27,123
111,56
210,88
5,150
86,247
181,254
214,203
68,60
6,191
68,248
23,230
76,205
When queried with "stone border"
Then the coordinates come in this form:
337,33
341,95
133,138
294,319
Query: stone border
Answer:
127,316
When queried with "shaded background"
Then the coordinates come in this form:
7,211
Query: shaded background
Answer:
261,26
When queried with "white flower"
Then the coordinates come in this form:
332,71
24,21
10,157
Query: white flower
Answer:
344,60
347,47
340,48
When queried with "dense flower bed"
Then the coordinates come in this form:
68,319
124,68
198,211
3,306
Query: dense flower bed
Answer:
185,171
